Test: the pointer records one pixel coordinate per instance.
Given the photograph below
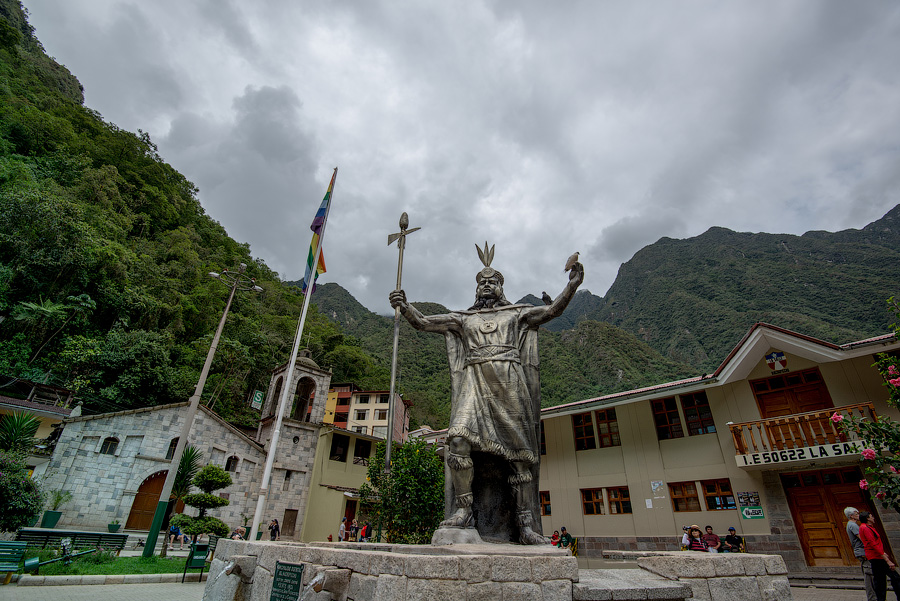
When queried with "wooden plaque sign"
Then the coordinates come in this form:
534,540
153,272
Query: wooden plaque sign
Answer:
286,584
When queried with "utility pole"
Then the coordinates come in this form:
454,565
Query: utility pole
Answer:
238,281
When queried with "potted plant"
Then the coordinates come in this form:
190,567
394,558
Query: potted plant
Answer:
56,500
114,526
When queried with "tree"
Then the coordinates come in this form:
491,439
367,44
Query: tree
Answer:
17,432
21,498
881,456
409,500
209,479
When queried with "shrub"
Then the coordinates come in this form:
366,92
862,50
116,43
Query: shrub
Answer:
21,498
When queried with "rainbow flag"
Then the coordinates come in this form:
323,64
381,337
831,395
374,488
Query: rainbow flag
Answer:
318,225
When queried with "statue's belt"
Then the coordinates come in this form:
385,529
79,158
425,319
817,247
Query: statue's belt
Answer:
492,352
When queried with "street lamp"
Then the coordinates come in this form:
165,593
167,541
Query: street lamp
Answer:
237,280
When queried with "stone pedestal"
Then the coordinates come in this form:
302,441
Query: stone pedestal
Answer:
243,571
456,536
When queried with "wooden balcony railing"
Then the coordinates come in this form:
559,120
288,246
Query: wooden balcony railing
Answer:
795,431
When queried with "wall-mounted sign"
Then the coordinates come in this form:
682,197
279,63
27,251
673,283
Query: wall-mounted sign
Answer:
748,499
257,399
777,362
825,451
752,513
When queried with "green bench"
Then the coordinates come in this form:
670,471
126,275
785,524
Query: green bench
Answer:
46,537
196,559
11,554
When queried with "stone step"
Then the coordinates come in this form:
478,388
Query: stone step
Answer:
626,585
835,579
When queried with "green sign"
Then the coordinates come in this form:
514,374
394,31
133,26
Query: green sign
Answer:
752,513
256,401
286,584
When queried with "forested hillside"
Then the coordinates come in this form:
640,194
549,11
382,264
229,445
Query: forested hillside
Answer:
104,256
693,299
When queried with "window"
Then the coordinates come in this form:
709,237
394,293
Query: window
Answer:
697,414
384,398
344,401
608,428
381,414
379,431
545,502
171,452
361,452
543,441
584,432
231,464
619,500
592,500
340,419
340,444
109,446
287,480
665,415
359,429
718,494
684,496
363,399
361,415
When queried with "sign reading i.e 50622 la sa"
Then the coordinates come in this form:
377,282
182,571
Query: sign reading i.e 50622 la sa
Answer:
825,451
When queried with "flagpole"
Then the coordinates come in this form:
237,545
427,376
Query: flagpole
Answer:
286,390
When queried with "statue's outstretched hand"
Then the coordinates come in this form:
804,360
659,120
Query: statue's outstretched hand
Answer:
576,275
398,299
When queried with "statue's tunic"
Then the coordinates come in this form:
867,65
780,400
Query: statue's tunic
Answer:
493,366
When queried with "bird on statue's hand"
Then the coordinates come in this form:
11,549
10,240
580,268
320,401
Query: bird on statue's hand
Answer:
570,263
546,298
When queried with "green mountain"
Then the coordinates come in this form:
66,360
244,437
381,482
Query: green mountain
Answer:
692,300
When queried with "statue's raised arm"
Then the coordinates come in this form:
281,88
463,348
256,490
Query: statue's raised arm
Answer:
539,315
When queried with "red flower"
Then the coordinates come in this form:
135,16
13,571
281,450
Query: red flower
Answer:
869,454
863,484
837,417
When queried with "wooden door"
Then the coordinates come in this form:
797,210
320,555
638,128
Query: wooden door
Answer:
145,501
289,523
817,500
787,395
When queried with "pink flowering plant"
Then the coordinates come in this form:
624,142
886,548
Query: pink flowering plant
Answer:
881,453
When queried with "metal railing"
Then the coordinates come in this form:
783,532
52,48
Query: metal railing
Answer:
796,431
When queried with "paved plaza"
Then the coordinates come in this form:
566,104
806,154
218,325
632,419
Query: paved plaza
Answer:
193,591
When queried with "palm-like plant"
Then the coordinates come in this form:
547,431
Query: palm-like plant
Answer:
17,432
188,466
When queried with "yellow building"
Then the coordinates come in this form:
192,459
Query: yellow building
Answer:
751,446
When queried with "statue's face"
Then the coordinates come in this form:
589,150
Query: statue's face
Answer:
489,288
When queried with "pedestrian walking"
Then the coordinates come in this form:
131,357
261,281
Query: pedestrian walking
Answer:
274,530
882,565
859,550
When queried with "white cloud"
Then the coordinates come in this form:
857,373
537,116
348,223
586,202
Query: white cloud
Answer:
597,127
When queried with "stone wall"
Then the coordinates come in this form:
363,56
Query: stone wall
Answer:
104,486
400,572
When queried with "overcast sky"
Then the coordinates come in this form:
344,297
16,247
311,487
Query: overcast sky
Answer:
541,127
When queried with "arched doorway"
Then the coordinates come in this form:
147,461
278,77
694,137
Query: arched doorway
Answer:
306,390
144,506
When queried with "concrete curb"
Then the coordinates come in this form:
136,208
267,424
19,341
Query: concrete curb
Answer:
29,580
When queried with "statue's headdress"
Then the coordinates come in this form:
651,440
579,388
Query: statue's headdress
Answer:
486,256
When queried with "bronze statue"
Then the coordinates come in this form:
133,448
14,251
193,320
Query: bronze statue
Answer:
495,405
